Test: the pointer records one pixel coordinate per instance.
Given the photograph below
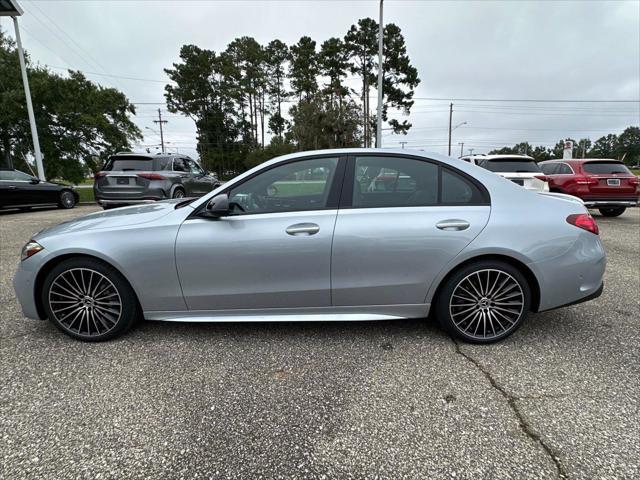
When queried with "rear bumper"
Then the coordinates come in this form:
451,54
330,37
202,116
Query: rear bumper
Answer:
129,198
574,277
125,202
610,202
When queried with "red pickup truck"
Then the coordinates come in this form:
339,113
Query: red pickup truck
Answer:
607,185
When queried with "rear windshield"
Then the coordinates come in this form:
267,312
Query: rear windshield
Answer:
129,163
510,165
605,167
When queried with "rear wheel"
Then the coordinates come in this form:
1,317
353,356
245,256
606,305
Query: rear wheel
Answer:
67,200
484,302
612,212
178,193
89,300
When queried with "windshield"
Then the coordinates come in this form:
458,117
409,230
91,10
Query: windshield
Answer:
605,167
129,163
511,165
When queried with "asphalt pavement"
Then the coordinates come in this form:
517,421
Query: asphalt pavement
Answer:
558,399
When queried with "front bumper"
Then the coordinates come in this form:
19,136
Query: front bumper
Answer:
23,284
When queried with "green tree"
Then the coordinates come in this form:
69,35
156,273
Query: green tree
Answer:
400,78
321,123
77,120
605,147
361,46
276,56
333,62
304,70
629,146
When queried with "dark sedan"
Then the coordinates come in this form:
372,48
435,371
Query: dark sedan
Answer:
20,190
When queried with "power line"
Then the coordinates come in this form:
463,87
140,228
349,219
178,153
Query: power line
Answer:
112,75
528,100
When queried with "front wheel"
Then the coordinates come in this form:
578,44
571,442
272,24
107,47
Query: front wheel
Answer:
484,302
67,200
612,212
89,300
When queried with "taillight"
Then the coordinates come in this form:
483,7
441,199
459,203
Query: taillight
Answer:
587,181
544,178
633,181
584,221
99,175
151,176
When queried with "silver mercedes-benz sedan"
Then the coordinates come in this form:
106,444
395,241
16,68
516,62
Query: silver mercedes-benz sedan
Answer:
350,234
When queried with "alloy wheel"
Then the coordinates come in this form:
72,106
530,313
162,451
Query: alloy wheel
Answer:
85,302
486,304
67,199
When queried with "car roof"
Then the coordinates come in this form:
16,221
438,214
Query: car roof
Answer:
149,155
499,156
583,160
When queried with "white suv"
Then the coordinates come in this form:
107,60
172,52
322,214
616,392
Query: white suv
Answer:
520,169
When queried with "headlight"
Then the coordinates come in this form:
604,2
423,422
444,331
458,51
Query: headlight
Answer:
29,249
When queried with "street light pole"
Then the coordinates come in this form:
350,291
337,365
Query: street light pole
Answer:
461,148
380,74
27,94
450,119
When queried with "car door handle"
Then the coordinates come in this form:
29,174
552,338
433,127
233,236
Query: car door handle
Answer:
12,187
303,229
452,225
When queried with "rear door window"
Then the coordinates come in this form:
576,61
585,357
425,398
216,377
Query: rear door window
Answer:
128,163
549,168
179,165
511,165
394,182
605,168
564,169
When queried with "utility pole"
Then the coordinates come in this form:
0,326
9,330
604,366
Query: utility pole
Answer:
461,148
27,93
403,144
450,119
471,151
380,74
160,121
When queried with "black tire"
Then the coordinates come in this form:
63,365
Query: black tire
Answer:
459,312
67,199
93,317
612,212
178,192
109,207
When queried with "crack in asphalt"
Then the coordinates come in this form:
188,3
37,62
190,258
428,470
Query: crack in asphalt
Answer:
511,401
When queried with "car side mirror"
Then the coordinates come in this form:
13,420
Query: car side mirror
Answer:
34,181
218,206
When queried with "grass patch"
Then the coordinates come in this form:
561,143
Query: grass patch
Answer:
301,187
635,171
86,194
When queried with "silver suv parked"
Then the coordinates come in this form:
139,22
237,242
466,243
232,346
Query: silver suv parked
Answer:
130,178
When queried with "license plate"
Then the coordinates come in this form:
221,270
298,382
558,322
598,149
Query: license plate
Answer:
614,182
122,181
519,182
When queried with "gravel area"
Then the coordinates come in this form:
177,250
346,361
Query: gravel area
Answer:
558,399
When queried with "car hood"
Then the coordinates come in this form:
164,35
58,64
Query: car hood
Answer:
118,217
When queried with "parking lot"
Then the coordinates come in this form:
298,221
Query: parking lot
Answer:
558,399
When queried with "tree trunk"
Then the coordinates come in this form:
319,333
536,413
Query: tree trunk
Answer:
6,149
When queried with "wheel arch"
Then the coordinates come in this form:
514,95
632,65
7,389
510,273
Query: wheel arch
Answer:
528,274
175,186
53,262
